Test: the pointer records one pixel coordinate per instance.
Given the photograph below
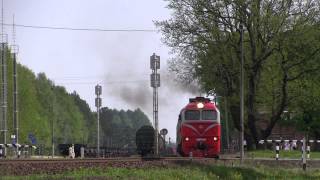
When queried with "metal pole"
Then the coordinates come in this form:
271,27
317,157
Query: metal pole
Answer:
227,123
4,93
14,49
52,123
98,130
52,137
15,99
156,118
164,143
241,96
277,151
304,159
98,91
4,82
155,83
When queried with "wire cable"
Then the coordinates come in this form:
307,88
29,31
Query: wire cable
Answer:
80,29
101,82
75,77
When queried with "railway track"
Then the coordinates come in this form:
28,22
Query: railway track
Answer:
53,166
133,159
98,160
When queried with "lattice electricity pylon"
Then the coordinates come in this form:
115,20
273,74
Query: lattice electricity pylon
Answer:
4,87
3,38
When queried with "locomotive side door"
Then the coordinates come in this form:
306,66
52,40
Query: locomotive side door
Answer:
178,129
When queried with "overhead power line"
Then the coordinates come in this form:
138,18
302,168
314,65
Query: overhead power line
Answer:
75,77
80,29
106,82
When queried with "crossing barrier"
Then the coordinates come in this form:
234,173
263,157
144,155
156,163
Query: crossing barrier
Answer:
19,147
277,142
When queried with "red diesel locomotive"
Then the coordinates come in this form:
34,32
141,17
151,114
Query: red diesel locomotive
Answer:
198,129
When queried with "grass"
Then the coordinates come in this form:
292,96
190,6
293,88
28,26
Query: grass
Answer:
283,154
187,171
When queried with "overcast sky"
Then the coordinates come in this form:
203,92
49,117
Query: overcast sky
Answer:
79,60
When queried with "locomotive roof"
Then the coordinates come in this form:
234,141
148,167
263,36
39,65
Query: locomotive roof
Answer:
199,99
208,105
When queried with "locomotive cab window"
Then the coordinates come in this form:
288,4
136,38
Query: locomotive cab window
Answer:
209,115
192,115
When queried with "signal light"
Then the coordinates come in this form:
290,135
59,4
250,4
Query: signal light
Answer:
215,138
186,139
200,105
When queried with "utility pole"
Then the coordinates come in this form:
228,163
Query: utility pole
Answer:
52,122
98,91
241,96
52,134
155,83
304,159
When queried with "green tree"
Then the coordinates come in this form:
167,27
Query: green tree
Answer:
89,129
120,126
42,104
205,35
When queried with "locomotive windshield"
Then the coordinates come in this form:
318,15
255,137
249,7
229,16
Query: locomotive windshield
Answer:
209,115
192,115
204,115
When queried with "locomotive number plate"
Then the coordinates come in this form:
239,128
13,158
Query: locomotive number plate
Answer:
201,139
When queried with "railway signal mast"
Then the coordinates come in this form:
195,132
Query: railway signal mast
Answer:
164,132
155,83
98,102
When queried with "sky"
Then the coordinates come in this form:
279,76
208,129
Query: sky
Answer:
119,61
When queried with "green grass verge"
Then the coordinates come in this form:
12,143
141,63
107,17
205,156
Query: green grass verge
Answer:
192,171
283,154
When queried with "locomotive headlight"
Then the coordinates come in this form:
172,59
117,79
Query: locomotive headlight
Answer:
200,105
215,138
186,139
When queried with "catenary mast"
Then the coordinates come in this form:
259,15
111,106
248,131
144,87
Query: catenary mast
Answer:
3,104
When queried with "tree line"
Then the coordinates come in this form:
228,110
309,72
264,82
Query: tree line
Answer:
44,106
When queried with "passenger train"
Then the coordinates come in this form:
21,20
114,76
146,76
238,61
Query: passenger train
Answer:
198,129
